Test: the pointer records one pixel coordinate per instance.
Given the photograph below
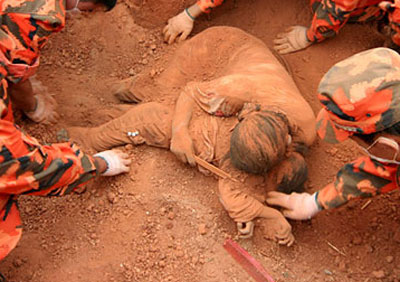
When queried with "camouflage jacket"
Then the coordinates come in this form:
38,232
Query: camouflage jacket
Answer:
26,167
207,5
25,29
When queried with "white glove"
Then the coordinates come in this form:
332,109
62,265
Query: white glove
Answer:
46,105
296,206
117,162
294,39
180,24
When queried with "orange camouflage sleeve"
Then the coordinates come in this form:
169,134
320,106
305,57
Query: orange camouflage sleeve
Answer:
26,167
25,27
360,179
207,5
331,15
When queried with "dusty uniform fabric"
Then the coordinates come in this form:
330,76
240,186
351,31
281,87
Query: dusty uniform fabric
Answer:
207,5
25,29
331,15
360,95
26,167
246,71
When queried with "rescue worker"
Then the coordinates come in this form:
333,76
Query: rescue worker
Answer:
25,29
331,15
360,99
244,120
27,167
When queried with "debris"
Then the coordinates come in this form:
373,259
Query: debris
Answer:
335,248
378,274
202,229
366,204
253,267
389,259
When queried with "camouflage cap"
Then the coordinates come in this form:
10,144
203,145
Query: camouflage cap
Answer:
360,94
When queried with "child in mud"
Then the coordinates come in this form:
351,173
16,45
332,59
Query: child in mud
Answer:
27,167
238,108
360,97
331,15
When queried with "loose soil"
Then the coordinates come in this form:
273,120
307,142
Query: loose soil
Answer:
163,221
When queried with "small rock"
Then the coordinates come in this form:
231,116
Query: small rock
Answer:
357,240
111,197
153,47
169,225
131,72
389,259
145,61
379,274
17,262
171,215
202,229
152,72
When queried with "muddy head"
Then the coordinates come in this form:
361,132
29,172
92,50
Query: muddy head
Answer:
259,141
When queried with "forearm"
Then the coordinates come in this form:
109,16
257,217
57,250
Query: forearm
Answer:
325,25
31,168
183,112
207,5
22,95
362,178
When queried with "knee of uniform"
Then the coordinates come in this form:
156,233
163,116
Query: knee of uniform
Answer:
292,174
258,141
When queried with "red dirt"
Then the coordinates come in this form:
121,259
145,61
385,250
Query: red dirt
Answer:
163,221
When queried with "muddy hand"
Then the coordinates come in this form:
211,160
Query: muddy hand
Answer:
296,206
294,39
181,24
277,228
45,110
182,147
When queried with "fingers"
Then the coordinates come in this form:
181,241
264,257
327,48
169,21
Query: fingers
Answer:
172,37
288,241
283,48
184,35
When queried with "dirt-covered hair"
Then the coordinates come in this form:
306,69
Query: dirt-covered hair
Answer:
258,141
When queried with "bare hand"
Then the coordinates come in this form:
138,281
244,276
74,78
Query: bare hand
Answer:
182,147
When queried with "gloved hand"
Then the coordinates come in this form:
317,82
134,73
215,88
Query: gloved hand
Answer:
296,206
46,105
117,162
182,146
294,39
181,24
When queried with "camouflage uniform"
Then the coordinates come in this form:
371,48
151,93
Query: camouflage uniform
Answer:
331,15
26,167
207,5
360,95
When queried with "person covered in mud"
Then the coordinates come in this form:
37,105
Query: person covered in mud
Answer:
238,109
182,24
360,97
25,29
27,167
331,15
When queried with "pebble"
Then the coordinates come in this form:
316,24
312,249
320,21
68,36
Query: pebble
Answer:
17,262
378,274
153,46
171,215
357,240
389,259
111,197
202,228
